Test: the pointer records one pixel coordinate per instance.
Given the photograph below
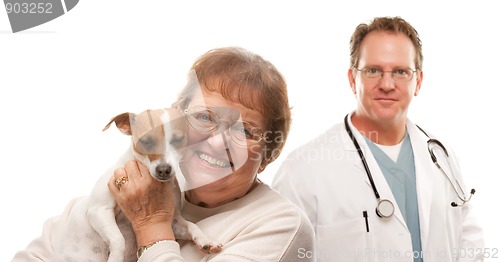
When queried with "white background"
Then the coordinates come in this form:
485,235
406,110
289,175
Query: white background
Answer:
61,82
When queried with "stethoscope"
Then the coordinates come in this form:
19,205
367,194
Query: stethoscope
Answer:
460,195
385,208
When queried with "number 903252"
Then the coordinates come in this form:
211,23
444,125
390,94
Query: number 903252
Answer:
29,8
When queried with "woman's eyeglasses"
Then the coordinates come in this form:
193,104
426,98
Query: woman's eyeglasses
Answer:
207,120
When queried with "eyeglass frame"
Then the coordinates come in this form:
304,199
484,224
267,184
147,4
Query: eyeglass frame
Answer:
381,73
254,141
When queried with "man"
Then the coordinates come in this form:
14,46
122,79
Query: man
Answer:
396,204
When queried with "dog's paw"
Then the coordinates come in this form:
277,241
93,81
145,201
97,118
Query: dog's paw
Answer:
208,248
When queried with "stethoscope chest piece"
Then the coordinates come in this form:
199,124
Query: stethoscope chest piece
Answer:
385,208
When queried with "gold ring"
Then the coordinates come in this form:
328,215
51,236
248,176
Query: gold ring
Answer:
120,181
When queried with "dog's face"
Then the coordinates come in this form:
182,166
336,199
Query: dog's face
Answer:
157,138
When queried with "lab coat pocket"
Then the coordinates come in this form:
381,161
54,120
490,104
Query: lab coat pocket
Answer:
347,241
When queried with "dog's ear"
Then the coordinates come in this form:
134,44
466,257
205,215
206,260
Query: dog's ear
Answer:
122,122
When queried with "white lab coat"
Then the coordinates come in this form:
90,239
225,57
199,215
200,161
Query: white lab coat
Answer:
326,178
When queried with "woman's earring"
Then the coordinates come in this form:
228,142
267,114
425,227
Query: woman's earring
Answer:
261,168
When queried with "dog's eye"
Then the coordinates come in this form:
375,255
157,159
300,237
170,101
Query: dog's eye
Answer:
147,141
146,144
176,138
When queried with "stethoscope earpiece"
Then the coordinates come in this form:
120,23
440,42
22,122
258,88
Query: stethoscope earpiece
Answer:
464,200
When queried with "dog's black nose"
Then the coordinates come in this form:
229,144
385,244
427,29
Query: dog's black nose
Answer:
163,171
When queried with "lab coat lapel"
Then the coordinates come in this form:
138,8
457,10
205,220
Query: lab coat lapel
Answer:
378,177
425,172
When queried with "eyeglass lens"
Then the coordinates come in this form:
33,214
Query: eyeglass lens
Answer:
208,120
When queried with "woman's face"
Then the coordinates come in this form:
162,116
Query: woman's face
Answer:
213,161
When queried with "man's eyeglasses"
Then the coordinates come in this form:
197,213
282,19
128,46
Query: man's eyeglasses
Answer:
206,120
399,75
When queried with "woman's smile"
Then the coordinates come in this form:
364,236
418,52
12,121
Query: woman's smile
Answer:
212,161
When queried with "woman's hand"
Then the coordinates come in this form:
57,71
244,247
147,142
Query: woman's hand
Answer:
146,202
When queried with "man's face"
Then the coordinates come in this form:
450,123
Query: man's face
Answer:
384,100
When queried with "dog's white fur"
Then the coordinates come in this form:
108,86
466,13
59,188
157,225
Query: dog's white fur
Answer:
96,229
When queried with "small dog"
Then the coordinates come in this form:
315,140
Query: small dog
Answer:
96,229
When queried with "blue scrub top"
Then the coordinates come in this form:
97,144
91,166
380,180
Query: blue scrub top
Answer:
401,178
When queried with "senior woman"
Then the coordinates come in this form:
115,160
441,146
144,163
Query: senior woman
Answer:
239,117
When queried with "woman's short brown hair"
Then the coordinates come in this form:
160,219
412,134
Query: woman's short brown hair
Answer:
246,78
389,24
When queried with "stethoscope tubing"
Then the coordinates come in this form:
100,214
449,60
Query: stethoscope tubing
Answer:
461,194
385,208
362,156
